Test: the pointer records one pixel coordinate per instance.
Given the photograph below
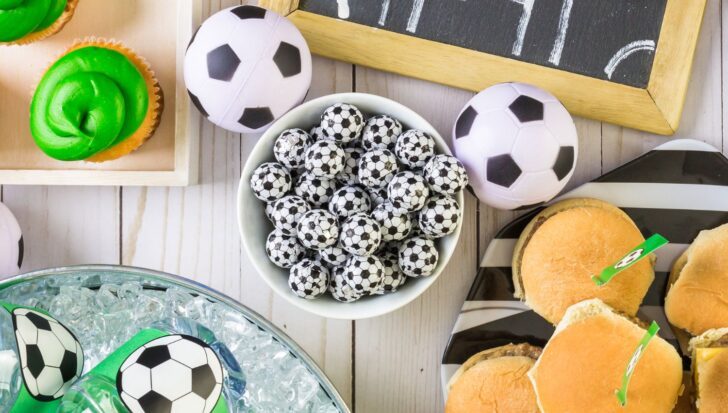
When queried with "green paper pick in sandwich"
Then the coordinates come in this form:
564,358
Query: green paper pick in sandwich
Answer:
622,392
638,253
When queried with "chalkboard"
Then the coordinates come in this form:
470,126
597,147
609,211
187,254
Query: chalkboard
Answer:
621,61
606,39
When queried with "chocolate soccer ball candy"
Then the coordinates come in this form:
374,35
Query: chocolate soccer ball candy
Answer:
287,211
318,229
315,190
380,132
270,181
342,122
395,225
393,275
378,195
360,235
445,174
377,167
308,279
340,289
269,210
316,132
440,216
290,147
324,159
283,250
418,257
364,274
348,201
408,192
350,174
414,148
334,255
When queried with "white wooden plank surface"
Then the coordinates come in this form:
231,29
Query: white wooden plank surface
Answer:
388,364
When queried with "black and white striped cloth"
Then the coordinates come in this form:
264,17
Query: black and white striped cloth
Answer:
676,190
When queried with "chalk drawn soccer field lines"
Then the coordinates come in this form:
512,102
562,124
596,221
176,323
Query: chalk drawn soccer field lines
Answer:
525,19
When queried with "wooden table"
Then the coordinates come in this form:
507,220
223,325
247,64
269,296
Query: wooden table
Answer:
383,365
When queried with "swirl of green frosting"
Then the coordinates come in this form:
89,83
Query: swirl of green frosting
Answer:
19,18
88,101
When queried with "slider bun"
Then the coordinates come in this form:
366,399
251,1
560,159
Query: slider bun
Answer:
711,371
566,244
582,365
494,380
697,299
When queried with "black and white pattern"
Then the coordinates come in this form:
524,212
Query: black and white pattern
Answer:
396,225
440,216
393,275
283,250
324,159
408,192
364,274
317,132
51,358
318,229
646,190
350,174
316,190
377,167
172,374
308,279
361,235
340,289
445,174
380,132
414,148
342,122
334,255
418,257
378,195
349,200
291,146
270,181
286,213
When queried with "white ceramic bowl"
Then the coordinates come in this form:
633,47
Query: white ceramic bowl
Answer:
255,227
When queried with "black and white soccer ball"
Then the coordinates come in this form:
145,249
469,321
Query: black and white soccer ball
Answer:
380,132
318,229
408,192
414,148
342,122
393,275
245,67
286,213
378,195
172,374
325,158
51,358
334,255
350,174
283,250
445,174
440,216
316,190
316,132
377,167
349,200
395,225
340,289
11,243
291,146
518,144
361,235
270,181
418,257
308,279
364,274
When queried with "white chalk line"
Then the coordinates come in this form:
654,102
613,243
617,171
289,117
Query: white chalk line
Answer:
555,57
522,25
384,13
344,10
625,52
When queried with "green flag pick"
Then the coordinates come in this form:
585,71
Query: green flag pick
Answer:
641,251
622,392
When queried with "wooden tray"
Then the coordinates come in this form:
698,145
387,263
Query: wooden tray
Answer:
159,31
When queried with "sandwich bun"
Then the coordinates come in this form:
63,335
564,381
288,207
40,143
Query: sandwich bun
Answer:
569,242
710,370
582,365
697,297
495,380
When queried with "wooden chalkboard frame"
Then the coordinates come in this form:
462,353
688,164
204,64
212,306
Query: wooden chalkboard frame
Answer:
656,108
